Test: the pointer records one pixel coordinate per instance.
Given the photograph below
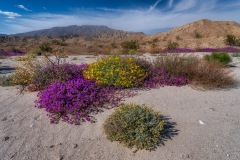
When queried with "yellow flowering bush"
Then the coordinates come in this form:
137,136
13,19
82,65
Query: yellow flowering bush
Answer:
25,70
116,71
26,57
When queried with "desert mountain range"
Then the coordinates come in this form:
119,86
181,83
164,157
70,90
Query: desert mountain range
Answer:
76,39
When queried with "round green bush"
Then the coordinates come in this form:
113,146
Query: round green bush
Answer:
221,57
135,126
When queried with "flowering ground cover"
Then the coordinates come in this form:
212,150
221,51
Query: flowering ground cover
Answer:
51,74
187,50
73,101
9,54
69,94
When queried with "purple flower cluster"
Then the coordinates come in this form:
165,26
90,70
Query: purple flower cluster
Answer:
51,74
226,49
180,50
12,54
74,100
187,50
158,78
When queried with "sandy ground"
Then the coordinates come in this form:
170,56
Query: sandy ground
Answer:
203,125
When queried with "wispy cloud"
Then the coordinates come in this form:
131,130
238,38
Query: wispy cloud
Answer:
11,15
170,3
23,7
185,5
154,6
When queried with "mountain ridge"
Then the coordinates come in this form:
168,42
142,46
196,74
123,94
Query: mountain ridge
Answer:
73,30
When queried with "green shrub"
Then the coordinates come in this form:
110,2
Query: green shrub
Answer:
236,55
221,57
45,47
6,81
26,57
116,71
59,43
135,126
178,38
172,45
197,35
130,45
232,40
37,52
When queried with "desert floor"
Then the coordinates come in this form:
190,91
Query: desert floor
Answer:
203,125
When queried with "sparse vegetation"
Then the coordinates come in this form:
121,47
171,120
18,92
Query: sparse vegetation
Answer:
172,45
6,81
177,65
26,57
59,43
232,40
235,55
197,34
207,74
178,38
130,45
15,50
135,126
45,48
212,75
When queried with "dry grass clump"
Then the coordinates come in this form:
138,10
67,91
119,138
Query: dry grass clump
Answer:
206,74
176,65
212,75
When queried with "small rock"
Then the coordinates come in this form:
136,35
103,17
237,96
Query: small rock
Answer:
5,138
32,125
51,146
37,117
201,122
4,119
61,157
75,145
58,158
228,155
188,156
212,109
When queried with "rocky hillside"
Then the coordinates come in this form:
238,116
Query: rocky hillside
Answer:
202,33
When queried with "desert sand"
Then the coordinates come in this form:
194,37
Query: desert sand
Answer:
203,125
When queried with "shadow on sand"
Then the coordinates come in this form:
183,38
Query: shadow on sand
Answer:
6,69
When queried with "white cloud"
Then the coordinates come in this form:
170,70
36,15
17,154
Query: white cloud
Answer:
170,3
11,15
23,7
154,6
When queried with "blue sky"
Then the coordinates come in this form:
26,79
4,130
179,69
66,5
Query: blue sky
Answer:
149,16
